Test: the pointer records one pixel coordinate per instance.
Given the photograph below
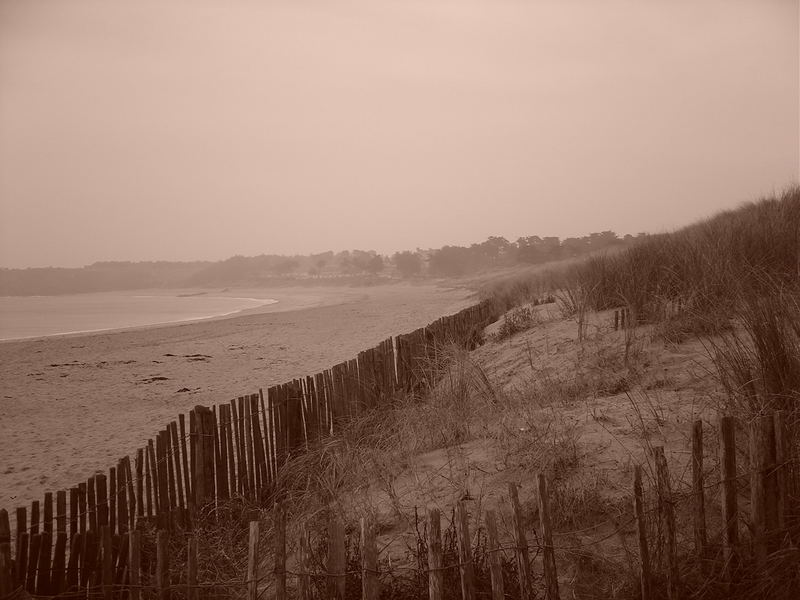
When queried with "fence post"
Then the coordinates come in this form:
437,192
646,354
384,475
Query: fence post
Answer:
33,560
252,561
435,575
521,543
641,530
148,482
191,569
112,499
108,563
75,550
162,564
549,556
730,509
698,489
495,568
369,562
336,559
58,573
466,567
666,511
6,572
139,466
135,552
173,441
43,564
763,506
304,580
187,480
280,551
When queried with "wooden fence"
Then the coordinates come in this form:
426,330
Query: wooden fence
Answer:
721,556
233,449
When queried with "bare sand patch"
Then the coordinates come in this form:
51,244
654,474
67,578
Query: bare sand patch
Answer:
74,404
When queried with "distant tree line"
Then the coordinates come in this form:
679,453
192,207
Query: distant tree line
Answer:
266,269
451,261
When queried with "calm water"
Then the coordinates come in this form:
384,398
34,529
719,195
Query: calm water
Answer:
34,316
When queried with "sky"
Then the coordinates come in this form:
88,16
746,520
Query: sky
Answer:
198,129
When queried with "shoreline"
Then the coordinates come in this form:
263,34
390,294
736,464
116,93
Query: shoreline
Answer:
279,300
72,404
231,314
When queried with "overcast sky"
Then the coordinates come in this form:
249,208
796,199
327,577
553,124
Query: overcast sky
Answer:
179,130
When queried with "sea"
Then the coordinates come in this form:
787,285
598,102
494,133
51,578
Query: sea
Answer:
24,317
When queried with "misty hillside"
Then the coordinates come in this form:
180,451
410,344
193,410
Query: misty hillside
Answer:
346,267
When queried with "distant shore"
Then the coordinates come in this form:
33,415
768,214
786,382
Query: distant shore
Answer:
72,404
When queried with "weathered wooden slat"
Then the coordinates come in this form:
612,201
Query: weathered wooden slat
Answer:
370,589
698,492
252,561
208,456
520,544
169,463
7,576
238,474
265,423
548,550
495,565
222,463
74,509
122,547
102,500
666,509
21,528
58,572
83,507
337,560
33,562
304,578
645,577
90,556
107,552
162,565
22,559
466,567
140,499
162,484
194,468
91,501
75,549
122,498
192,591
151,454
763,488
187,480
279,571
258,443
44,564
231,449
135,541
216,441
176,458
112,499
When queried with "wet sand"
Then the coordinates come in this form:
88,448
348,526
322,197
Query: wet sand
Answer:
70,405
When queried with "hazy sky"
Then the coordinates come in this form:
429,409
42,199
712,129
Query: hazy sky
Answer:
178,130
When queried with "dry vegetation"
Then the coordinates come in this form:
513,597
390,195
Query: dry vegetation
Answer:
556,389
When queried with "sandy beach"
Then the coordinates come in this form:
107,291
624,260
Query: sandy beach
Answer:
75,404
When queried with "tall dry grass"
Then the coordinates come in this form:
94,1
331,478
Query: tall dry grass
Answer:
700,264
